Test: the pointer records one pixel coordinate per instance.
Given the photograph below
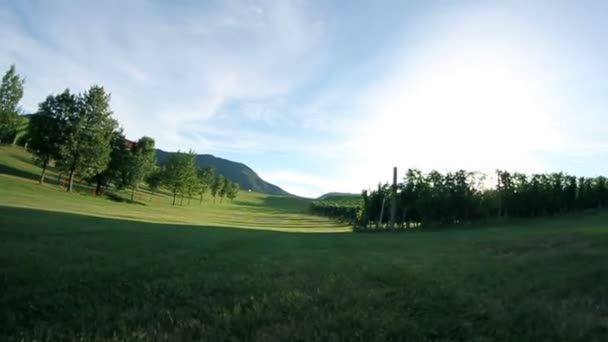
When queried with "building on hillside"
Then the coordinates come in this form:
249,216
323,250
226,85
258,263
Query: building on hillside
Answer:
130,144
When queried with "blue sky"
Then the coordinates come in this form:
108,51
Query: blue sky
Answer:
321,96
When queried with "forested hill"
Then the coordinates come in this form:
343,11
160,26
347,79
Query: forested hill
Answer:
332,195
236,172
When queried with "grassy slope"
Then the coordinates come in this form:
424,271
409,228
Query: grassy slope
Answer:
343,200
250,210
65,276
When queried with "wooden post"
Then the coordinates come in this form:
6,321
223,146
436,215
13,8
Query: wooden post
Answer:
381,214
393,199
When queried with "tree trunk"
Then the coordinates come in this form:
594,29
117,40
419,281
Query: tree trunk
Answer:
98,188
71,180
181,201
174,194
44,166
133,194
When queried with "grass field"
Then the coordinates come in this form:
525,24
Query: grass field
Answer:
18,179
69,275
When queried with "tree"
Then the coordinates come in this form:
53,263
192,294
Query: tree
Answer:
233,190
117,169
155,179
178,171
193,183
48,128
142,158
45,136
216,186
88,124
224,188
363,212
11,92
206,177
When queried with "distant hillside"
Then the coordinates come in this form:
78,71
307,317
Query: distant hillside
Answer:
339,195
236,172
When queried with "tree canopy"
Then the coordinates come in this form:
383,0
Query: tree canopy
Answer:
435,198
11,92
78,133
87,127
141,161
178,172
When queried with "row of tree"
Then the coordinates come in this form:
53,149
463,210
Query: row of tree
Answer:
180,175
455,197
435,198
78,133
341,211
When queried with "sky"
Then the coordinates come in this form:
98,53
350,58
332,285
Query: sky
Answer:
320,96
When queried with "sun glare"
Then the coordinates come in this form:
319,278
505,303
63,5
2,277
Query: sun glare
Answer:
469,110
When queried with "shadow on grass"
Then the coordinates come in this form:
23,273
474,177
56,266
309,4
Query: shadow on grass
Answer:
18,221
9,170
24,159
278,204
50,178
121,199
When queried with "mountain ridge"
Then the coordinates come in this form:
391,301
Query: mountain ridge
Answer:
338,194
237,172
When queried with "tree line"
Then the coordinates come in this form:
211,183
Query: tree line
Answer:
180,175
435,198
336,210
78,133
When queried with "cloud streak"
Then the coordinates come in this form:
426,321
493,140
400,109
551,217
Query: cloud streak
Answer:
322,98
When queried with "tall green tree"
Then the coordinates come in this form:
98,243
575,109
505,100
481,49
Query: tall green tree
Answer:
11,92
141,162
88,127
155,179
117,169
193,184
224,188
233,190
216,186
206,177
178,171
45,134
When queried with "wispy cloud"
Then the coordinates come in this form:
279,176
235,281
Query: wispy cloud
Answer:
171,64
322,97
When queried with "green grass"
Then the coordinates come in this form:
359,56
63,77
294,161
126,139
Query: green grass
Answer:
18,179
69,276
347,200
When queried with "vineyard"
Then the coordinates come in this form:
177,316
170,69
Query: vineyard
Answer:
436,199
342,208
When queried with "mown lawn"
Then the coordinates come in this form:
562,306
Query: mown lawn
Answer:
77,267
69,277
19,188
